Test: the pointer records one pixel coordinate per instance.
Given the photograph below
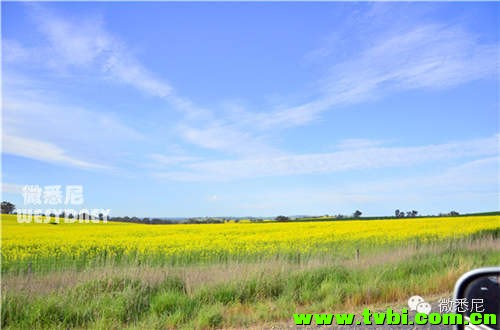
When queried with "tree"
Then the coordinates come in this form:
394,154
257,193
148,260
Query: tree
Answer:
282,218
454,213
357,214
7,207
396,213
414,213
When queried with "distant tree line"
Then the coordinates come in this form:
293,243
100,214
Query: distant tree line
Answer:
9,208
151,221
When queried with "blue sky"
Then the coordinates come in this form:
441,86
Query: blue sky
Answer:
208,109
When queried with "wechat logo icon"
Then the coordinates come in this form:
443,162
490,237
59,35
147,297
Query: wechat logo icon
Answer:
417,303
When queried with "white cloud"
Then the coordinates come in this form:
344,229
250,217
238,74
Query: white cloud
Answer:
43,151
227,137
129,71
422,56
85,43
33,113
402,57
355,159
78,43
44,116
429,56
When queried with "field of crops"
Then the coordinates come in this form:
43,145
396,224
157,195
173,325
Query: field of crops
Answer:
48,246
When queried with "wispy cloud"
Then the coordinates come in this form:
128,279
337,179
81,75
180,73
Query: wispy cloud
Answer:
43,151
428,56
38,125
43,116
466,177
228,137
369,57
354,159
86,43
457,187
403,57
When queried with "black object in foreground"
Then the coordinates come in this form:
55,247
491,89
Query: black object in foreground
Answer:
480,286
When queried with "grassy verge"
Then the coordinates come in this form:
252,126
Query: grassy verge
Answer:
238,294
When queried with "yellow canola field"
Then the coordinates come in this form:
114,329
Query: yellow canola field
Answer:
198,242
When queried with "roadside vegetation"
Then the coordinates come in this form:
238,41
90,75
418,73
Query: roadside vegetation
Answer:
85,275
235,294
